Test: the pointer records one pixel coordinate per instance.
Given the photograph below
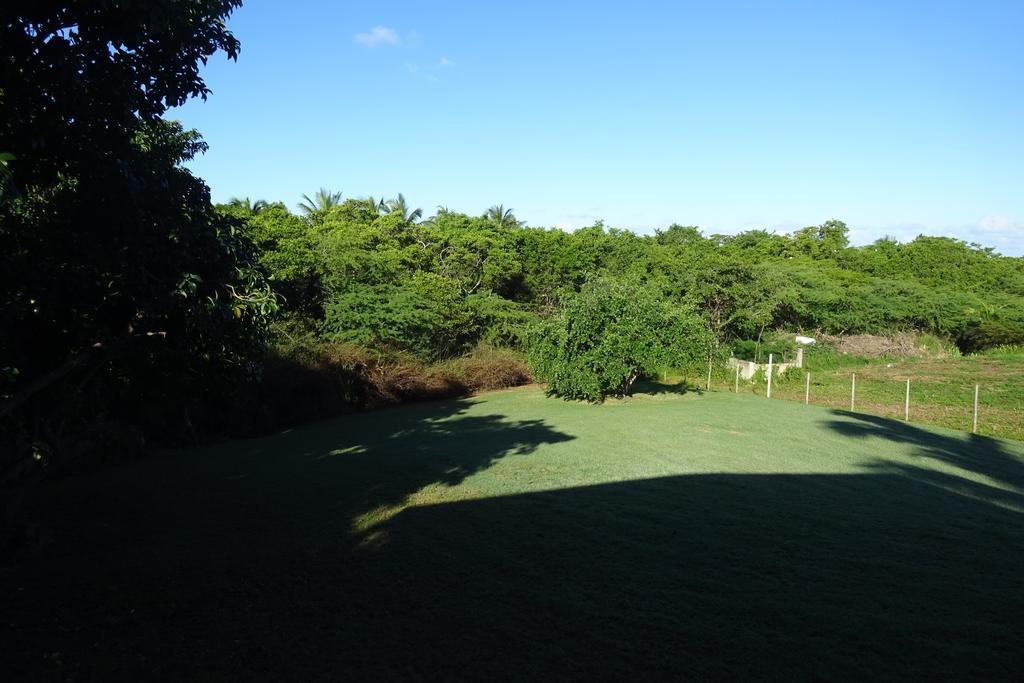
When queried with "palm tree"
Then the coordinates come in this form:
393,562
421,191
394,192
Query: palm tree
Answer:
442,210
248,205
402,209
502,217
377,205
324,200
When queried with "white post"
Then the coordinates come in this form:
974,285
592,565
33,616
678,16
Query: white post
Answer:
807,390
853,391
974,430
709,373
906,404
769,375
737,389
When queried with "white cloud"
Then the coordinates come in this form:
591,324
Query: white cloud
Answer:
378,35
445,62
1004,234
999,225
1001,232
571,222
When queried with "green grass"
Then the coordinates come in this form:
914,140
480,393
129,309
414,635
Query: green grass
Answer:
516,536
941,389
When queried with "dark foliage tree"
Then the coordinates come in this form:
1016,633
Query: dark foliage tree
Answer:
124,297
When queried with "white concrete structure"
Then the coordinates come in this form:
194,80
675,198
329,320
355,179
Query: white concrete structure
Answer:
748,368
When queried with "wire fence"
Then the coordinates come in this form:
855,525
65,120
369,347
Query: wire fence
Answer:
981,405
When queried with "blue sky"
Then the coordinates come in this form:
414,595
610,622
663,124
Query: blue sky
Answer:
896,117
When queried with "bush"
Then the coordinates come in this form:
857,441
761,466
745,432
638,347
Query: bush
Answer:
779,344
1004,351
978,335
822,357
305,381
502,322
424,315
609,335
488,368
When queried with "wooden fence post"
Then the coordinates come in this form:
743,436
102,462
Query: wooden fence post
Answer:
807,390
769,375
906,404
853,391
974,429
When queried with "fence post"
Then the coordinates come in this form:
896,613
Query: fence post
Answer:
807,390
769,375
974,430
737,388
906,404
853,391
709,373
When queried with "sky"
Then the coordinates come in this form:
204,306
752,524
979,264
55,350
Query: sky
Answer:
899,118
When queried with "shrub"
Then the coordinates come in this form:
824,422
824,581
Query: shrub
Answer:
609,335
502,322
424,315
1004,351
978,335
488,368
305,380
781,345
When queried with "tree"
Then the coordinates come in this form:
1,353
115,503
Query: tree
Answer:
424,314
823,241
609,335
502,217
288,252
376,205
323,201
469,251
247,206
125,298
399,207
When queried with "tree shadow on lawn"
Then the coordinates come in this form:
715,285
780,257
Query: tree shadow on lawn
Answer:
185,535
655,387
244,564
707,576
979,455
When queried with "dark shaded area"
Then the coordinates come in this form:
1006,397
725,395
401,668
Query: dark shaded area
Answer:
243,564
722,576
654,387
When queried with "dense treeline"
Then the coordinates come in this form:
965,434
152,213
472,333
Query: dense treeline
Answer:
360,271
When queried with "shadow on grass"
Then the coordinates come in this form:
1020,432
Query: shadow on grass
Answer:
658,388
243,564
980,455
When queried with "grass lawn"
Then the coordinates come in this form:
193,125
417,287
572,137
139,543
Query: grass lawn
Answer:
512,535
